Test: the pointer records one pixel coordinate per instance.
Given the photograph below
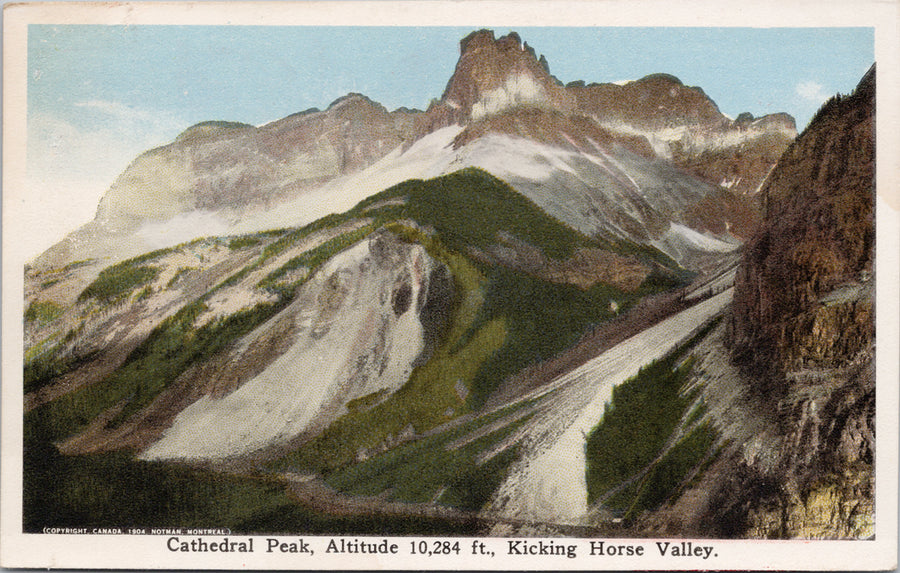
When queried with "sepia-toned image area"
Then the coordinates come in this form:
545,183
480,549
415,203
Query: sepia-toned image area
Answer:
455,281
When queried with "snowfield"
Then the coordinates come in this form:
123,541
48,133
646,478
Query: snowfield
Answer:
518,89
601,192
681,243
548,484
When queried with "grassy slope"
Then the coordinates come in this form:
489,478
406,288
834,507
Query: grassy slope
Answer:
119,280
501,321
644,414
112,490
426,469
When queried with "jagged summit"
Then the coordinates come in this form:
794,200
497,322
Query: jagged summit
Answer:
495,74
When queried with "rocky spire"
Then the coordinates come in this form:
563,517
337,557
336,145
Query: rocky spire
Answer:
495,74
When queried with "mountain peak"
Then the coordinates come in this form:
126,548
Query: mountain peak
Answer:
483,38
661,78
353,98
495,74
208,128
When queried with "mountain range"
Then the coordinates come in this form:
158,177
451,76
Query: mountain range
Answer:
508,313
618,161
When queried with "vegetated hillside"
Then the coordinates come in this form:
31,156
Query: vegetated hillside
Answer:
368,362
336,343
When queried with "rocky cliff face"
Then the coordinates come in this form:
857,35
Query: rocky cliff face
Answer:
233,168
355,329
803,333
493,75
685,126
804,279
788,380
678,122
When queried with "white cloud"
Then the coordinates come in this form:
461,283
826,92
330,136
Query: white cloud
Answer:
112,107
75,154
128,115
812,91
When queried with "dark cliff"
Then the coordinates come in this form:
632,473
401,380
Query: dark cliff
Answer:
797,297
803,337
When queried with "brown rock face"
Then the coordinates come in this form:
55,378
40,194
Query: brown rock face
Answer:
571,132
744,166
503,76
818,235
693,133
803,337
654,102
585,268
496,74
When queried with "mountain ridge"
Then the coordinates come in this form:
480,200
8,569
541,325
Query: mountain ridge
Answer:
220,175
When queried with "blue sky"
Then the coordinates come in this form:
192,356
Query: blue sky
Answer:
258,74
99,95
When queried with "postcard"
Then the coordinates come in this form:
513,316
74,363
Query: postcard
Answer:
477,285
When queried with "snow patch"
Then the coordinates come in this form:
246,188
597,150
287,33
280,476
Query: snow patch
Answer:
764,179
696,138
585,190
679,242
429,157
182,228
518,89
507,156
659,139
700,241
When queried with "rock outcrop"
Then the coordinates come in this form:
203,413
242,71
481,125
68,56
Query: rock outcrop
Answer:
788,382
684,125
229,169
496,74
